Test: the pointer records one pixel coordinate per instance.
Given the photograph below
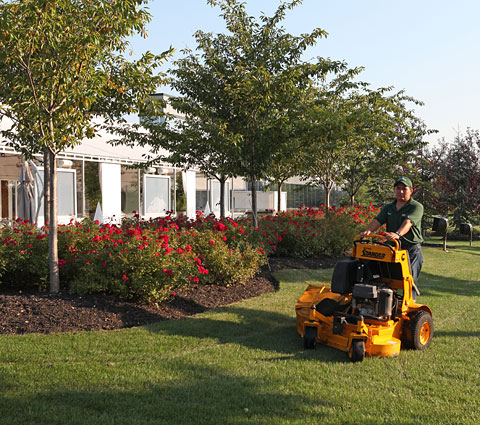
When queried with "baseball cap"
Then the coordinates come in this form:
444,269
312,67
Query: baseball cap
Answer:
405,180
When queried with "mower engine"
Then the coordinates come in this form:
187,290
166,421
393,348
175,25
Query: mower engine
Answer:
372,301
371,297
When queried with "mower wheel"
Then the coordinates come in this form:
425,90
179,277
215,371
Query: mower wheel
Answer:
309,337
421,330
358,350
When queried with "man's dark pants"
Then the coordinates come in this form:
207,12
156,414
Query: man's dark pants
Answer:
416,261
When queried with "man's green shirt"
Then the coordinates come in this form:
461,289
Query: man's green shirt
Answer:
394,218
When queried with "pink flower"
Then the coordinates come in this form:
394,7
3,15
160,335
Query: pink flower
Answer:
124,277
211,243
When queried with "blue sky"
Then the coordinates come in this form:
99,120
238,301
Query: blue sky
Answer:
428,48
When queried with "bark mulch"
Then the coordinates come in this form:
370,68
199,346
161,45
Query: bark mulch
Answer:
37,312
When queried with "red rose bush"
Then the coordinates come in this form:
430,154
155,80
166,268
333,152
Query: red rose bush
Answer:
149,260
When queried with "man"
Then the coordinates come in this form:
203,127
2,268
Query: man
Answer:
403,217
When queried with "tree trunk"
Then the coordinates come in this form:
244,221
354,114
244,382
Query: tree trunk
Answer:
254,203
279,197
46,186
253,181
53,230
222,197
328,190
352,199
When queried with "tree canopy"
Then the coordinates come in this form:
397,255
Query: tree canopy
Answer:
358,134
61,66
454,174
241,88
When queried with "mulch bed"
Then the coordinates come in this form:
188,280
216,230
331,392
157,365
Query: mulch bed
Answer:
36,312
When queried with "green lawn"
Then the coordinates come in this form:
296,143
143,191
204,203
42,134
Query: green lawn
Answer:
245,364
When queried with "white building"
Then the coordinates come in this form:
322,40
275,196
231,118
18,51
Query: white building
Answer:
96,176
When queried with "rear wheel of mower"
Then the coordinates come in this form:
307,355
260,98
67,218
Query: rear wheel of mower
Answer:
309,337
421,330
358,350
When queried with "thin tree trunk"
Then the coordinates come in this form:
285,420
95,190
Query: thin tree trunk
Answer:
46,186
222,197
53,230
254,203
279,197
328,190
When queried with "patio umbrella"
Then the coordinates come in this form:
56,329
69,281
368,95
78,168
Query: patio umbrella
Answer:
26,194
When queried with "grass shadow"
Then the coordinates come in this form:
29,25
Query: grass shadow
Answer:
210,397
436,285
461,334
254,329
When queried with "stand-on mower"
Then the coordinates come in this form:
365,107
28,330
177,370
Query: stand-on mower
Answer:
368,309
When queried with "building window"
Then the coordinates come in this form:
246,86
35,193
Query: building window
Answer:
156,195
66,194
215,196
130,191
7,199
93,192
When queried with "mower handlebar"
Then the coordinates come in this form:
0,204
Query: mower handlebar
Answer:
396,247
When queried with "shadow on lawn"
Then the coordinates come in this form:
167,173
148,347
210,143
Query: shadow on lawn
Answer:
255,329
434,285
200,395
461,334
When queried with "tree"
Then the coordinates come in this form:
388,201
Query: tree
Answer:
197,139
327,127
286,165
61,66
358,134
290,160
384,136
239,88
458,178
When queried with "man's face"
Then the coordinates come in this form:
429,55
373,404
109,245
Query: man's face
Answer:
402,192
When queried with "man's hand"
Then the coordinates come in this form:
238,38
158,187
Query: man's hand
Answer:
392,235
365,233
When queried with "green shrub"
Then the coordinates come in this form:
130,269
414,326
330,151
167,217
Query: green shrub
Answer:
148,260
24,257
314,232
226,265
129,263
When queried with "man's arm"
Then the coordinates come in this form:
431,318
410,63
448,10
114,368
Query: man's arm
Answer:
403,229
371,228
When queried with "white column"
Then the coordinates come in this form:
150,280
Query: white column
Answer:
111,185
189,178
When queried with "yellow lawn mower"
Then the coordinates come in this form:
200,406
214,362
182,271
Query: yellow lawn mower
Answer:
368,308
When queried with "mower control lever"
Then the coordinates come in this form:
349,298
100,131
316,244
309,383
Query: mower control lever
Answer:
393,248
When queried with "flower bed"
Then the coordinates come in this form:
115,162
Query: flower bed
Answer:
150,260
313,232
